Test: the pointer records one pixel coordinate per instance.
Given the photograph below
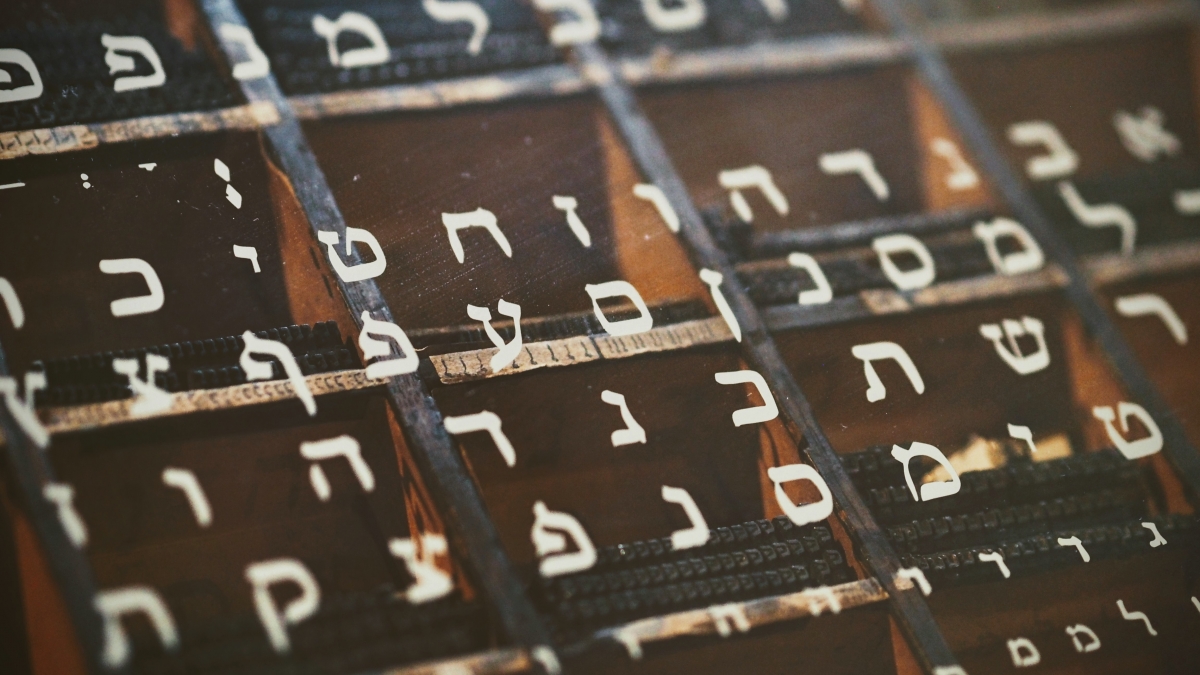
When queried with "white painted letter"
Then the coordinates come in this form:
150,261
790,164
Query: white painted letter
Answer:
22,408
120,64
455,11
340,446
697,534
551,547
611,289
633,432
483,421
688,15
1144,304
1023,364
362,24
997,558
1060,160
1022,433
261,370
714,279
113,604
887,246
736,180
1029,259
569,204
962,176
1024,654
911,575
1074,541
885,350
1093,639
506,353
583,29
801,515
1142,447
1102,215
256,64
1136,616
429,581
263,575
728,617
1159,540
859,162
655,196
247,253
185,481
758,414
931,490
1143,135
373,347
63,498
480,217
823,293
25,92
361,271
142,304
11,302
150,399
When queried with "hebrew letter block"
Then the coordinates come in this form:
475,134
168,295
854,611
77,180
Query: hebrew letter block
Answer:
801,515
483,421
613,289
685,15
931,490
736,180
1060,160
120,64
697,534
256,64
1101,215
1024,653
756,415
1143,134
654,195
22,408
259,370
186,482
714,279
890,245
507,351
63,498
1022,364
362,24
374,347
633,432
262,576
551,546
885,350
361,271
150,399
114,604
823,293
1142,447
1146,304
859,162
429,581
465,11
25,92
962,176
478,218
1093,639
1028,259
341,446
143,304
583,29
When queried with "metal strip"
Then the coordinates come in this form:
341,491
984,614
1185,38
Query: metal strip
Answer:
910,610
74,137
936,73
472,532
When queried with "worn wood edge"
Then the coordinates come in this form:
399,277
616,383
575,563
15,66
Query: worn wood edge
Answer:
1148,261
804,55
810,602
492,662
553,80
1032,29
69,138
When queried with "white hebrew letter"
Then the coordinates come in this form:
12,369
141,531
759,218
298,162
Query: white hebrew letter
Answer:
373,347
758,414
776,9
22,93
263,575
1143,134
633,432
507,352
1187,202
569,204
611,289
329,448
260,370
815,596
483,421
1029,259
911,575
1144,304
859,162
697,534
633,647
688,15
583,29
448,11
22,408
362,24
142,304
429,581
728,617
1136,616
1060,160
823,293
114,604
1142,447
1024,654
256,64
1093,639
997,558
934,489
359,272
150,399
247,253
887,246
551,547
185,481
1102,215
654,195
546,659
808,513
12,303
714,279
234,198
63,498
120,64
736,180
1022,433
1023,364
480,217
962,176
885,350
1158,538
1074,541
